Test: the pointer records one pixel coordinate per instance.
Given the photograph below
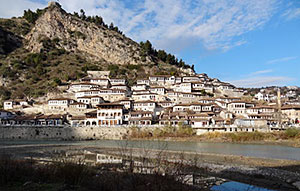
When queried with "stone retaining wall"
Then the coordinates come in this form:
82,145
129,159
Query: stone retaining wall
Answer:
66,133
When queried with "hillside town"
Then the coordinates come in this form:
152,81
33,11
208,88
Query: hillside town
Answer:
197,101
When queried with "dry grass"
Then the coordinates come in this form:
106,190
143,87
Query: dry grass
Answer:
168,131
290,136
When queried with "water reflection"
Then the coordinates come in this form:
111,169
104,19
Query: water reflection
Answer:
252,150
237,186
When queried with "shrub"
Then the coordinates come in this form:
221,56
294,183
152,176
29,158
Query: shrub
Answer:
71,172
57,81
292,132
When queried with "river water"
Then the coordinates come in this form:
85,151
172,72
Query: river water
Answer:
251,150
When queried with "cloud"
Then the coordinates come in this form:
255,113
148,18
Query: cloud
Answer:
284,59
261,72
261,81
292,13
213,24
16,8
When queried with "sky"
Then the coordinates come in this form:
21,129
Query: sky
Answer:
249,43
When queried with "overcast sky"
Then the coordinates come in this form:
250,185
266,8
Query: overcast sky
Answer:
249,43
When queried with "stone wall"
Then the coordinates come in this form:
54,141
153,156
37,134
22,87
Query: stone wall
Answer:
66,133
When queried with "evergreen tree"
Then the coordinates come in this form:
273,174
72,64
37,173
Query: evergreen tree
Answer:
82,14
111,26
76,14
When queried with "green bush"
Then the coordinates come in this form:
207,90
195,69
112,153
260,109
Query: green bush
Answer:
292,132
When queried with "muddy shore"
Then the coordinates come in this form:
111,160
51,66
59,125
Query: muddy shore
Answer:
290,143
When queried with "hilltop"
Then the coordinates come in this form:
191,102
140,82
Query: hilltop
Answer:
50,47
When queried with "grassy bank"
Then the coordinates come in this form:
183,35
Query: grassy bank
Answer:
290,136
70,175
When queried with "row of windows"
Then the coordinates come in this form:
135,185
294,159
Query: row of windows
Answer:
238,111
58,102
109,114
238,106
143,104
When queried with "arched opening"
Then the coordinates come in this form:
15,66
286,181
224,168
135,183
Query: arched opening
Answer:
88,123
94,123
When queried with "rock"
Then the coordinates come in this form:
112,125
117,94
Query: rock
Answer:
96,42
297,185
218,183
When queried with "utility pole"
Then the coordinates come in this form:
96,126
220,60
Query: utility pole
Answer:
279,107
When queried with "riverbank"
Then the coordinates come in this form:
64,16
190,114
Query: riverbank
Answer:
271,173
289,137
75,175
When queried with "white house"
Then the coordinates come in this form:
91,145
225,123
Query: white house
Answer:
239,107
78,106
181,107
262,96
118,81
157,90
12,104
138,87
95,100
128,104
158,79
170,80
143,82
145,106
121,87
146,97
85,99
166,104
110,114
82,86
59,103
9,104
190,79
183,87
140,118
103,82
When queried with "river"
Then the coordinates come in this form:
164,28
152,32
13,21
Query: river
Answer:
251,150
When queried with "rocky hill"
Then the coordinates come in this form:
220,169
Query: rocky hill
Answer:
50,47
73,34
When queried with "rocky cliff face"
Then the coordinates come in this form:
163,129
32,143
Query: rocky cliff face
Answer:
76,35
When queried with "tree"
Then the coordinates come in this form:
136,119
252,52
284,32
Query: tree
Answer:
193,67
76,14
82,14
170,59
30,16
181,63
162,55
98,20
111,26
148,47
